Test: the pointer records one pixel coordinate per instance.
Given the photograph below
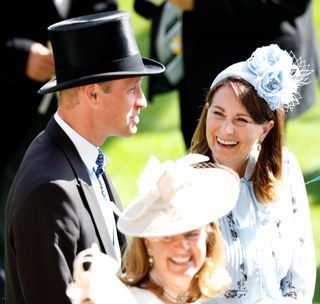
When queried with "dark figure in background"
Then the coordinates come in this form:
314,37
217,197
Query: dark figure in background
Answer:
221,32
60,201
26,64
149,10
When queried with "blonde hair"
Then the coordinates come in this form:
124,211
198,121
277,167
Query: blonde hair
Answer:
69,97
268,170
210,280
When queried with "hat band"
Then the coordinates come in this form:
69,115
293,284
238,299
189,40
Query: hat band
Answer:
130,64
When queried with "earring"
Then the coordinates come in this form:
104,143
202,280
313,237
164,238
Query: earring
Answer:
150,261
259,146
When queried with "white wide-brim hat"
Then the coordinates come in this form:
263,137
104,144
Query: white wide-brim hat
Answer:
176,197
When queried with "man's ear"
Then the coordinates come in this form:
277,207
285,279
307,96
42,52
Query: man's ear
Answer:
90,91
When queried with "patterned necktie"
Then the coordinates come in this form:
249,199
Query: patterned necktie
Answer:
101,166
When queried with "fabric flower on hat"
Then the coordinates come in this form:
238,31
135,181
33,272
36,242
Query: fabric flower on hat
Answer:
174,197
274,73
278,76
154,183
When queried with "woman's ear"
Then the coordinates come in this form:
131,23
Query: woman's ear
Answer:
148,247
266,129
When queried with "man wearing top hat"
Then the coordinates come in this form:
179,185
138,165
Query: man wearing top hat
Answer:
27,63
60,203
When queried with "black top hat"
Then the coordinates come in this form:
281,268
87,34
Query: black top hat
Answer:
96,48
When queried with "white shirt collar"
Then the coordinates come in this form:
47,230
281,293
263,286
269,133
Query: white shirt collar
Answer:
88,152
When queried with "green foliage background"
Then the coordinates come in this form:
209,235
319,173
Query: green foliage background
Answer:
159,134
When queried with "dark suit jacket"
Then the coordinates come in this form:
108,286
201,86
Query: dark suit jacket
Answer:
156,83
23,22
52,214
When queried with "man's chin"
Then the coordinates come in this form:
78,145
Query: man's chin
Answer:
132,131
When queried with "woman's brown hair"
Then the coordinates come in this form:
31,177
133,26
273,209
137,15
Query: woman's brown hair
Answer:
267,173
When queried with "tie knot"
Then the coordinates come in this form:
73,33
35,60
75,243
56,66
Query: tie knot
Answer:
101,163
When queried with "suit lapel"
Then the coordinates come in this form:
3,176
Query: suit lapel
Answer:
98,219
89,197
114,197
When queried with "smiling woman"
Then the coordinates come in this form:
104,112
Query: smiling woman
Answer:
178,258
159,134
242,127
176,252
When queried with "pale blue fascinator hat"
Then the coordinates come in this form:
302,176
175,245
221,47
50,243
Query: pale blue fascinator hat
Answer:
274,73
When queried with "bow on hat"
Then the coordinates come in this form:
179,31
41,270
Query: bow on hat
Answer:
161,181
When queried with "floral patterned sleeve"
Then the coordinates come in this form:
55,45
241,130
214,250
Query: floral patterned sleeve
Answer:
299,283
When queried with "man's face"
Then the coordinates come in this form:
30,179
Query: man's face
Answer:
120,103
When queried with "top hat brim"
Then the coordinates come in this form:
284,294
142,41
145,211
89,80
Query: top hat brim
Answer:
151,67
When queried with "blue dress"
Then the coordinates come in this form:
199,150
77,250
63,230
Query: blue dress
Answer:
269,247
